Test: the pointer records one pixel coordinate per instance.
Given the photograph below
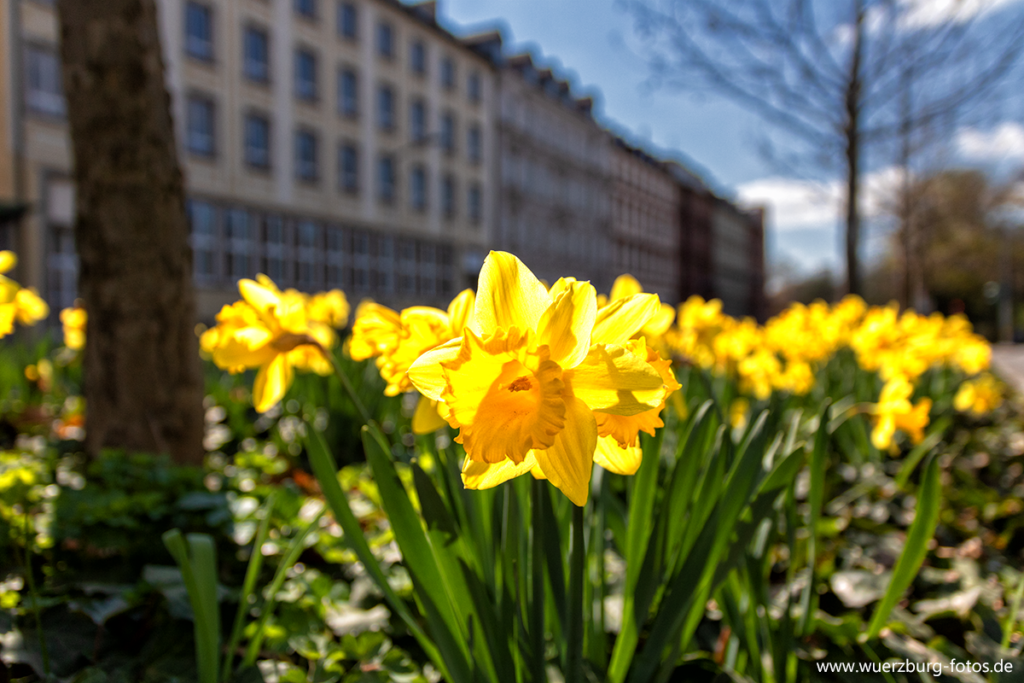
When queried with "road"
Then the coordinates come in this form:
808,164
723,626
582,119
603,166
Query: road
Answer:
1008,363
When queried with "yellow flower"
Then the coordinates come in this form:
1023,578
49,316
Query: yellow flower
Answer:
330,308
17,304
269,330
396,340
738,413
894,411
74,319
979,396
626,286
533,367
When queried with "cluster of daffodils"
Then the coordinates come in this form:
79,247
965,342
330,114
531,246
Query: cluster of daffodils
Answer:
537,380
787,351
276,333
17,304
73,322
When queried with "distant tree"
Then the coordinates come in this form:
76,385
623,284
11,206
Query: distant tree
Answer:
143,384
840,76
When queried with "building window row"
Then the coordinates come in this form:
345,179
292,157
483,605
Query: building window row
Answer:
199,44
231,242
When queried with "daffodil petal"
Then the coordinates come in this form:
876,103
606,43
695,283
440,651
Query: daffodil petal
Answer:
258,296
613,379
566,326
622,318
625,286
569,461
8,259
615,458
508,295
662,320
482,475
272,381
426,419
426,373
460,310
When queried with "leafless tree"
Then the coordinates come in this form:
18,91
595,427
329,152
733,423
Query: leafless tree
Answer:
143,384
833,74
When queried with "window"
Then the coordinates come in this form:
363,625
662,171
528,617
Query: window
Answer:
386,107
418,187
256,57
418,120
407,266
305,75
275,261
385,40
473,87
348,167
238,240
44,93
257,141
306,156
202,218
386,179
418,57
348,21
200,126
307,250
335,257
448,133
475,203
348,93
448,73
199,31
448,195
306,8
473,143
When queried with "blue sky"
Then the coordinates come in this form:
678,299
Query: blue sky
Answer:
588,42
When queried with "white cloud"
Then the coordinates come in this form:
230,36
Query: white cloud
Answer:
925,13
1004,142
795,204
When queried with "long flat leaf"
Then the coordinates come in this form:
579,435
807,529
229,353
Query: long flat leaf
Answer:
418,557
326,472
926,518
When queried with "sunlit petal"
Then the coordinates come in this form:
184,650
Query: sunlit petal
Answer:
426,419
621,319
482,475
615,458
508,295
569,461
625,286
272,381
426,372
460,310
566,326
617,380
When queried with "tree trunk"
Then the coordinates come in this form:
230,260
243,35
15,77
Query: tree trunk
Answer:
853,103
143,384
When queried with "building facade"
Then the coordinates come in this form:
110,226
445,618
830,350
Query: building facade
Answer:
327,143
555,185
645,221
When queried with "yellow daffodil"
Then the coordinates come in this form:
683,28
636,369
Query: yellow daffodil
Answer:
73,320
979,396
533,368
17,303
269,330
330,308
894,411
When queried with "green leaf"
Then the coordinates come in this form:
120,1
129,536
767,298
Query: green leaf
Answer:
326,472
926,518
198,563
432,590
815,500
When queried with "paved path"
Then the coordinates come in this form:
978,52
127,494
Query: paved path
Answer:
1008,362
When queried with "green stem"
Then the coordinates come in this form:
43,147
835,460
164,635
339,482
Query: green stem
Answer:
36,609
537,661
350,390
574,629
1011,618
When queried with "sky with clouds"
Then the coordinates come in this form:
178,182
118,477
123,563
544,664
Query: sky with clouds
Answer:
592,44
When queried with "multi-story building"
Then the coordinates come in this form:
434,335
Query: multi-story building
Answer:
554,206
327,143
645,220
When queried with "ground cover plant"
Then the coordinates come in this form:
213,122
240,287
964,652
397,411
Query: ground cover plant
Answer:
538,483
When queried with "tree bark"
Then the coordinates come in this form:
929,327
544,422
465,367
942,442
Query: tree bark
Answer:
852,134
143,383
